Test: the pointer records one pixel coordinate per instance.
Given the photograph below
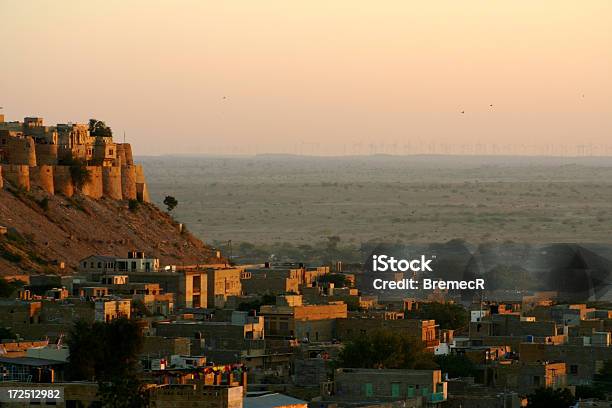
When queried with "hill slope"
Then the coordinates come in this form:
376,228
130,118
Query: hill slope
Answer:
46,230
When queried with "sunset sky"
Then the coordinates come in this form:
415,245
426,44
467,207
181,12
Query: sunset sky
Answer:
316,76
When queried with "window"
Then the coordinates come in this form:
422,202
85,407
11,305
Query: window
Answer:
99,264
536,380
395,389
410,391
368,389
573,369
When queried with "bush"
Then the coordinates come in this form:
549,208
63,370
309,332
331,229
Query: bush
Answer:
44,204
133,205
170,203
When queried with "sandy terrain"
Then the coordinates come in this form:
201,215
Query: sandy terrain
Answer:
272,199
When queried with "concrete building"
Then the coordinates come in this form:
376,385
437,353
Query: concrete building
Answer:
426,331
304,322
372,385
219,340
196,395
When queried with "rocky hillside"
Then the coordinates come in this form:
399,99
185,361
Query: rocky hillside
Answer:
44,231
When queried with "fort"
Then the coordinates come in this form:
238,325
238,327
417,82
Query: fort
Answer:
69,158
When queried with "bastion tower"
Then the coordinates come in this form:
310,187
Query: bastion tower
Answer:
69,158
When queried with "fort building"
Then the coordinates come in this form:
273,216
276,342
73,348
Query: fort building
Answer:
34,155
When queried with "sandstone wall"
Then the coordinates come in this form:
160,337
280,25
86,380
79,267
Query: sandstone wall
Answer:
120,151
129,159
46,154
93,188
42,176
128,182
62,180
32,164
17,174
22,151
142,193
111,182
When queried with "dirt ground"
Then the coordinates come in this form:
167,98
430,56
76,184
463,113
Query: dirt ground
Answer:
268,199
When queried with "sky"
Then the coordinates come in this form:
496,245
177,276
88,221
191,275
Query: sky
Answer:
324,77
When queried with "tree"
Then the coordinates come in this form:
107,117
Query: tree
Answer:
79,173
456,365
339,280
384,349
108,353
7,333
7,288
549,398
170,202
447,315
256,304
99,128
133,205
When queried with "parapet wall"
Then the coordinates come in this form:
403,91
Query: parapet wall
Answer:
46,154
93,187
124,154
62,181
111,182
128,182
17,174
42,176
116,183
22,151
142,192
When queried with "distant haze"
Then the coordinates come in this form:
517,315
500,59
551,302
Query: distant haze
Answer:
324,77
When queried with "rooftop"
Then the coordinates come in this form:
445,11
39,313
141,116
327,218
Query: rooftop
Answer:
271,401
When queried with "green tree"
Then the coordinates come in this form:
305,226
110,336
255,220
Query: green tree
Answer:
256,304
603,379
456,365
99,128
133,205
549,398
339,280
7,289
79,173
7,333
447,315
384,349
108,353
170,203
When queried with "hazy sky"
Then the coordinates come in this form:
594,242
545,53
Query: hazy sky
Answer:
314,76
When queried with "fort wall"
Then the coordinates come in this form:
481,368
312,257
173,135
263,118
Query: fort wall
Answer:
46,154
22,151
111,182
42,176
128,182
120,161
93,187
142,192
129,159
62,181
31,154
17,174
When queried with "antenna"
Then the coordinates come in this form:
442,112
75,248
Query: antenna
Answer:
124,136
